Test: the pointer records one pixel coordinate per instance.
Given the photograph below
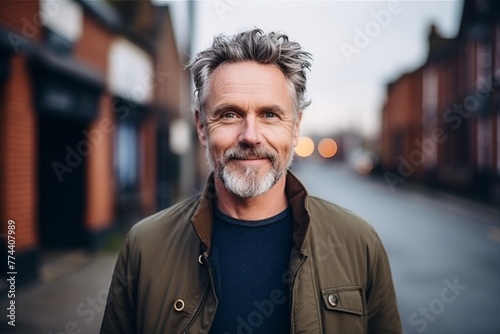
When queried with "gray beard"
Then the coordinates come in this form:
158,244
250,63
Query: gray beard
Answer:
246,182
249,184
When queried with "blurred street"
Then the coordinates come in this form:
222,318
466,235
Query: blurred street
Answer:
444,251
97,131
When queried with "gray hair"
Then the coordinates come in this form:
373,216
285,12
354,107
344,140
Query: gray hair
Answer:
253,45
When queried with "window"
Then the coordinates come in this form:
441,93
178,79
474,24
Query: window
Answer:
126,157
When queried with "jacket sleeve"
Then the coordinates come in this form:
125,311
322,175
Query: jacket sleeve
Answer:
383,315
120,312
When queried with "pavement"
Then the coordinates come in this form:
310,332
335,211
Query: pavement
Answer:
69,298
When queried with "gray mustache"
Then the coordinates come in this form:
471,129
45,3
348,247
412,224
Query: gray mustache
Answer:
250,153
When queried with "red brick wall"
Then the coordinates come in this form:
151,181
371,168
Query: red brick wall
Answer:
100,176
92,49
405,101
18,132
93,46
21,17
402,115
19,154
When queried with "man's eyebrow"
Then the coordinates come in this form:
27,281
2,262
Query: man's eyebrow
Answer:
273,108
232,107
226,107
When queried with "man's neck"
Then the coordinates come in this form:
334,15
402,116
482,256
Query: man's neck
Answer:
263,206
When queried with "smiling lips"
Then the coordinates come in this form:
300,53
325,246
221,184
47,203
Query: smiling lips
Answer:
252,160
249,158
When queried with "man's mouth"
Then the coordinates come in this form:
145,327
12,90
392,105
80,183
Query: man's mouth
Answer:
250,158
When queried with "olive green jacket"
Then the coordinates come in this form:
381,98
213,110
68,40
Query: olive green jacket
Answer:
339,275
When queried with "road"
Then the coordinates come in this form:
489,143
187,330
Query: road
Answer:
444,251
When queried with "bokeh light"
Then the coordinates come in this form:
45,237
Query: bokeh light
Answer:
327,147
364,165
305,147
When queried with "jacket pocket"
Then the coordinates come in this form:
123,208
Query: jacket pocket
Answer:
344,299
344,310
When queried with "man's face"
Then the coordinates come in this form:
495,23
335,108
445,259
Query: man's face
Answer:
250,127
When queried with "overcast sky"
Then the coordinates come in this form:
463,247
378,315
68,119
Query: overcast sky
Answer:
358,47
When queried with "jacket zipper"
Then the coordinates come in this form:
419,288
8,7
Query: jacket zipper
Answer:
292,299
205,294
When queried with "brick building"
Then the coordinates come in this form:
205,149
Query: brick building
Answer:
441,122
88,92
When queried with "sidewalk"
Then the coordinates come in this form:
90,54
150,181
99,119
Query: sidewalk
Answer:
68,304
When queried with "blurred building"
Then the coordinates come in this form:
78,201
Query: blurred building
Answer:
90,91
441,122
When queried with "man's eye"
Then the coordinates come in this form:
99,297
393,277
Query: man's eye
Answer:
229,115
270,115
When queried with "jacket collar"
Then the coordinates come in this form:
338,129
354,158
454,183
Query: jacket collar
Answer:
297,198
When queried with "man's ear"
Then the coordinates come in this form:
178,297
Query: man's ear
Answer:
296,129
200,128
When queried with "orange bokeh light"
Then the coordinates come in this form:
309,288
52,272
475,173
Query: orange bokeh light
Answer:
305,147
327,147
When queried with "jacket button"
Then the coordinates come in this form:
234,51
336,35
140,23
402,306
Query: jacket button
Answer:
179,305
200,259
332,300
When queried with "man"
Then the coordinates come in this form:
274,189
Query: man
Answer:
254,253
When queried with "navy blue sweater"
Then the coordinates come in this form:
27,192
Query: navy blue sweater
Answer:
250,261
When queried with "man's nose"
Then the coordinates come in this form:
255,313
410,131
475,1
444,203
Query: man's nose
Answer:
250,134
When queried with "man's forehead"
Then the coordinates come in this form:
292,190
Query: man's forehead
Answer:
251,79
247,71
